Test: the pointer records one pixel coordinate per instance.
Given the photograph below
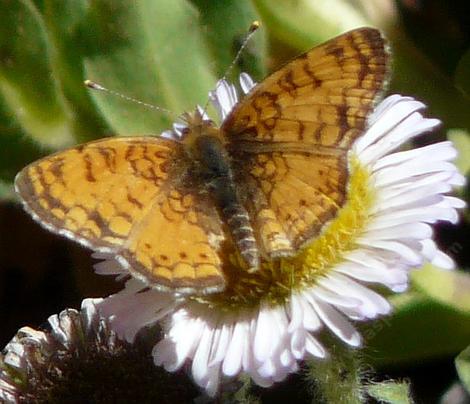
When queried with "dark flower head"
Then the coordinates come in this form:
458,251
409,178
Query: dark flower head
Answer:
79,359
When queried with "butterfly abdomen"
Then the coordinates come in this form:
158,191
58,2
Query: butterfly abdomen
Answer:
216,175
238,222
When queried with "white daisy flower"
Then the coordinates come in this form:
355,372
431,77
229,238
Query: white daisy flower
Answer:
265,327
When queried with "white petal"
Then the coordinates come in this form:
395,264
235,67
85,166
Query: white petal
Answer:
173,351
458,180
168,134
418,196
313,347
57,329
372,303
311,320
337,324
426,214
221,349
249,361
422,182
261,381
385,178
454,202
383,120
296,313
200,368
297,343
203,113
384,276
233,358
443,261
286,358
362,258
267,369
211,385
335,299
163,352
411,127
406,230
224,98
89,312
246,83
131,314
435,152
412,257
266,333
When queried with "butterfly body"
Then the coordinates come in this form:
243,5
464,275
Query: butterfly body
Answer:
212,171
263,184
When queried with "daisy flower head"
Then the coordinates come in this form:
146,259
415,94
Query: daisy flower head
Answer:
264,323
77,356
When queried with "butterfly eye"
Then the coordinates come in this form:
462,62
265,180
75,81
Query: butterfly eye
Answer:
185,131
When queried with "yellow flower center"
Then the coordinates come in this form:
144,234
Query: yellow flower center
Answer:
276,279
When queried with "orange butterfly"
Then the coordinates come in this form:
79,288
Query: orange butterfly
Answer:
265,182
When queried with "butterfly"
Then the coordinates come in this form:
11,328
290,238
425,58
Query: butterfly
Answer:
266,181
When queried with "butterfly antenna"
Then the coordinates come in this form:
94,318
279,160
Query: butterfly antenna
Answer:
99,87
253,28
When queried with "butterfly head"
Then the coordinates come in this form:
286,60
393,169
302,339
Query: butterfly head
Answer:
197,118
197,125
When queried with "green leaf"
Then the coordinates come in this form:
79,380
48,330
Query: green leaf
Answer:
64,21
153,50
450,288
390,392
16,149
462,363
461,140
414,73
164,52
420,328
303,23
7,192
226,24
27,81
432,321
462,74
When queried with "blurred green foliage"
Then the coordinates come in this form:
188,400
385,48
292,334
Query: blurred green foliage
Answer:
463,367
171,53
168,53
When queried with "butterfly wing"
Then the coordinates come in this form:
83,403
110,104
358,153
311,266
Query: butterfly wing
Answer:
294,130
176,244
322,97
291,195
105,195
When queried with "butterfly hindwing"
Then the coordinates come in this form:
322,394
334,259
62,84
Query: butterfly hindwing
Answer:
176,245
293,195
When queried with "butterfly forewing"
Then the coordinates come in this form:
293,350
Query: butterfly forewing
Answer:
292,132
118,193
322,97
